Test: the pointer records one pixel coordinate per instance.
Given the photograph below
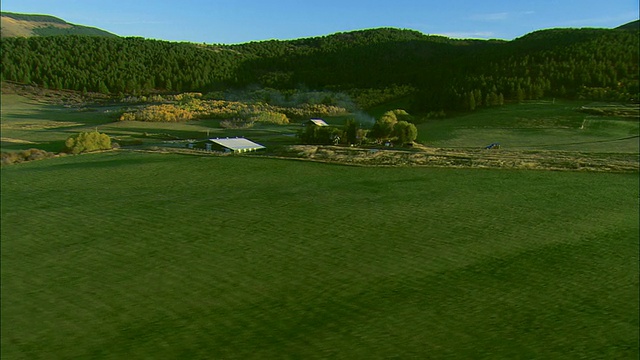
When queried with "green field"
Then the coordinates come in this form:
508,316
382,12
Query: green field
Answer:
539,125
129,255
134,255
27,124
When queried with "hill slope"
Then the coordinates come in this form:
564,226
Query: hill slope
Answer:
27,25
634,25
436,72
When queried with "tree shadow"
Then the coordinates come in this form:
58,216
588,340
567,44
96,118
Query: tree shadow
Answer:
58,113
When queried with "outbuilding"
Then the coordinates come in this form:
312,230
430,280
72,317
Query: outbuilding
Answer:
236,145
316,122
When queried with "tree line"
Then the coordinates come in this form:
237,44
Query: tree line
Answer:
438,73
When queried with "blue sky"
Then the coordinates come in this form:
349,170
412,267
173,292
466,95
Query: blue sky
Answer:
238,21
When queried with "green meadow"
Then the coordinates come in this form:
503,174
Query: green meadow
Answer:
129,255
535,125
539,125
27,123
132,255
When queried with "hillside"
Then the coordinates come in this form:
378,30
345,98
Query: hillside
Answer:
27,25
634,25
433,73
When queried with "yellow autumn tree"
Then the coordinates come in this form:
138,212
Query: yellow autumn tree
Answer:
86,142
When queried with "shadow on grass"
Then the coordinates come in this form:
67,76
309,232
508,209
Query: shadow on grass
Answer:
89,161
58,114
51,146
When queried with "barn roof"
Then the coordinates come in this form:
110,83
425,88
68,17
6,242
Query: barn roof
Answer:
237,144
319,122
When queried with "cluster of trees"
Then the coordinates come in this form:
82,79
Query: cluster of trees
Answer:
438,73
393,125
117,65
396,124
293,98
270,117
87,142
185,107
371,97
158,113
321,135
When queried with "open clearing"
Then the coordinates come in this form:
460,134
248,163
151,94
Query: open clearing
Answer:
131,255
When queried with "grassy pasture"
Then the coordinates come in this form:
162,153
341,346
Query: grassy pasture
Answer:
129,255
28,123
268,135
529,126
535,125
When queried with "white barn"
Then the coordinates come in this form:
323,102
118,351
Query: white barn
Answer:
236,145
316,122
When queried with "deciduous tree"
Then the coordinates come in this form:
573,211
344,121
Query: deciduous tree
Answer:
405,132
87,141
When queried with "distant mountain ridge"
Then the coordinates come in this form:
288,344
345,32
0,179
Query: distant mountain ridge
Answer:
28,25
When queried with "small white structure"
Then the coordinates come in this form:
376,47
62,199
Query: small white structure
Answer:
316,122
237,145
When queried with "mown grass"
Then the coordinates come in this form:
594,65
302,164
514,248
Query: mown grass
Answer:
129,255
550,125
28,123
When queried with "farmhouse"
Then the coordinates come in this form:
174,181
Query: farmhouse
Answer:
236,145
316,122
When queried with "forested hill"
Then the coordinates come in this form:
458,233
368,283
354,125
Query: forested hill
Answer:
634,25
438,73
26,25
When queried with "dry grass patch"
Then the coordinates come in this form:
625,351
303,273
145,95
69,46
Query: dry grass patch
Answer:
41,125
466,158
15,141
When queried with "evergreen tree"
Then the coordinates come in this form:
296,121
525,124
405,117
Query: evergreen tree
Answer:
351,131
472,101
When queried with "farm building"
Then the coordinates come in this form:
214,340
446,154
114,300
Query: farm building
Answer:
236,145
316,122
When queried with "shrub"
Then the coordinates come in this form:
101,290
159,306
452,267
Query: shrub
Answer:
128,116
86,142
236,124
271,117
8,158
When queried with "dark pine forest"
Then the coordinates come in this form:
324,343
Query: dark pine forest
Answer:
436,73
